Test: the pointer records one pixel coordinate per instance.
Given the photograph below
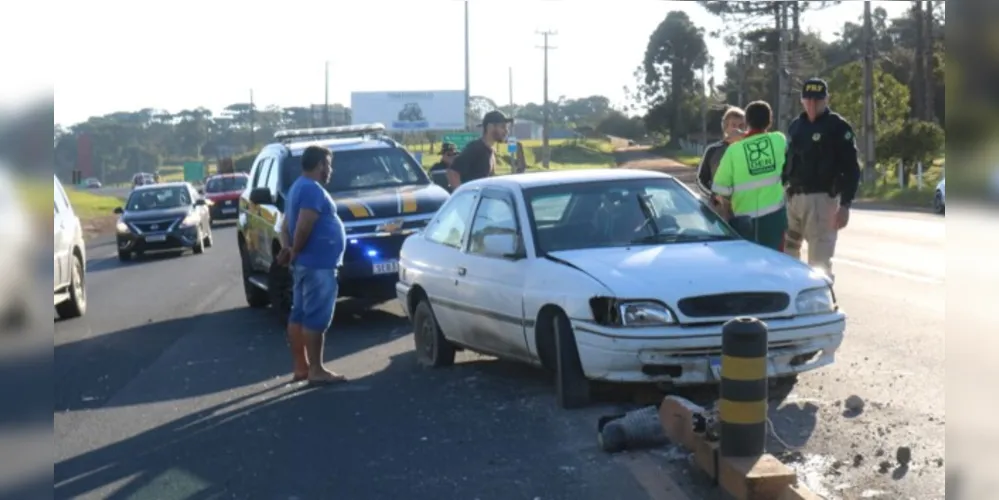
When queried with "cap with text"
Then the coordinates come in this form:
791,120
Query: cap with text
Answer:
495,117
815,88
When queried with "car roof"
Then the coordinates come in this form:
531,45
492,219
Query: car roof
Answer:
542,179
227,175
162,185
341,144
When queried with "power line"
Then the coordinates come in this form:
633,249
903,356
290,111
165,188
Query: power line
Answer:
545,131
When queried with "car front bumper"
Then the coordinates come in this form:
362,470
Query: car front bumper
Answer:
688,355
184,237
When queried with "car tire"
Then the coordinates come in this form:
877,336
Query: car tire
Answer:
279,284
76,305
571,385
124,255
938,203
199,245
256,297
210,239
432,349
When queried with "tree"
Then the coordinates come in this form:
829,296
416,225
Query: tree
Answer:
891,97
911,142
676,49
618,124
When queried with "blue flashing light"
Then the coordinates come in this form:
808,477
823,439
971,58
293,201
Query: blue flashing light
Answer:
353,242
372,253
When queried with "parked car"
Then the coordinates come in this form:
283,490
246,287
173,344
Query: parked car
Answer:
92,183
142,179
940,197
69,261
614,275
157,217
223,191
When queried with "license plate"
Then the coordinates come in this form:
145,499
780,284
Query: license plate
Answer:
228,210
388,267
716,368
156,237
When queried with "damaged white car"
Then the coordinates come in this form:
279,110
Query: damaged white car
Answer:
609,275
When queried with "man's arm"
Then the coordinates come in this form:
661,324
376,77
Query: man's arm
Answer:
849,165
704,169
310,206
457,167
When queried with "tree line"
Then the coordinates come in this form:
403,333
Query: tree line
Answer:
127,142
673,80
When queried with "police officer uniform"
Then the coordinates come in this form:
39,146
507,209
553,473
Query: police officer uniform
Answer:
438,172
821,178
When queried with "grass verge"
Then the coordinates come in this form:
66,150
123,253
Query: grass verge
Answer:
887,190
678,155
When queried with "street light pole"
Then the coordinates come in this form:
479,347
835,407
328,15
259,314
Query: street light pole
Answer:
326,107
468,98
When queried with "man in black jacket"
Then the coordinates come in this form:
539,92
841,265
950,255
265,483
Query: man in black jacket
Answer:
733,126
438,172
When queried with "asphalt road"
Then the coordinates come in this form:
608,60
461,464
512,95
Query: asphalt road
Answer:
171,388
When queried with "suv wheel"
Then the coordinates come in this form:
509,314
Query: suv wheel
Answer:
279,283
77,304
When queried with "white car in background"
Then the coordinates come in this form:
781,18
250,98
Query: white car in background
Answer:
940,197
612,275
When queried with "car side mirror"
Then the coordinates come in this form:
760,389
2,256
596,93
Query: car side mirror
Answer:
261,196
119,210
200,202
502,245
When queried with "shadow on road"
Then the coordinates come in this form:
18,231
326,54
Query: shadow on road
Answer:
91,371
477,429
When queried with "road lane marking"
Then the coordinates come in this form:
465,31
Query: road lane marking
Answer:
889,271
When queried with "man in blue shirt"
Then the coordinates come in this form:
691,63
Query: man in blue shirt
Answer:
313,240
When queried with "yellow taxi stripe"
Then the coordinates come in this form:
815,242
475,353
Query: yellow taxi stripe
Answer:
734,368
408,203
356,209
735,412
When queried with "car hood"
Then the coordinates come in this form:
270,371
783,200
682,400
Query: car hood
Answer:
380,203
674,271
166,213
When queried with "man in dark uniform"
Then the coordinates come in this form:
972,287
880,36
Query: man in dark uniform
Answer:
438,172
478,159
822,176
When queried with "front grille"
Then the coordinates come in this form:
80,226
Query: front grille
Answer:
734,304
387,247
160,225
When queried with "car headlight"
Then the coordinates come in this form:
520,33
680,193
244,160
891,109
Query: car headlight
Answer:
192,219
815,301
643,313
122,227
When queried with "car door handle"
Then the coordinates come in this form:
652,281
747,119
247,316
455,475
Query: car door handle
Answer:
462,271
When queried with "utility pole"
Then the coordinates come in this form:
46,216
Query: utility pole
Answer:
510,88
326,107
928,46
870,172
253,140
704,105
468,96
545,129
782,73
742,69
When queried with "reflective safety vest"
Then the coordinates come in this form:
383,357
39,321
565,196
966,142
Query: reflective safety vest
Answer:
750,174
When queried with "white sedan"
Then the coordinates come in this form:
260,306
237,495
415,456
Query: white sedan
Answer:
604,275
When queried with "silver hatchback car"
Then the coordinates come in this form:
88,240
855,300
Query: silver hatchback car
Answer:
69,266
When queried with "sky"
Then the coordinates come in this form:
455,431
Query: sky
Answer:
124,55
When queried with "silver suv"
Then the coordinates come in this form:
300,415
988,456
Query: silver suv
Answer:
69,260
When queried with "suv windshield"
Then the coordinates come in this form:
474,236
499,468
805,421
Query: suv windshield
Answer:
621,213
158,199
225,184
365,169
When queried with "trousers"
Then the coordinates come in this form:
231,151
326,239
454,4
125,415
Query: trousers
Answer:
811,218
767,230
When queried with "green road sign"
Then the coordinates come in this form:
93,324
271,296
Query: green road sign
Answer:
194,171
462,139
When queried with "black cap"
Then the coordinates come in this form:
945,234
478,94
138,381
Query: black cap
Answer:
815,88
495,117
448,147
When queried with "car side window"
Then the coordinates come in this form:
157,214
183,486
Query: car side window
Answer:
258,171
495,216
272,176
448,228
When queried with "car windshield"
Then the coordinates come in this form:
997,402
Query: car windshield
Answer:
225,184
366,169
621,213
158,199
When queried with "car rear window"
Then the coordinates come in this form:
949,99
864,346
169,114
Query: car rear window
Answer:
225,184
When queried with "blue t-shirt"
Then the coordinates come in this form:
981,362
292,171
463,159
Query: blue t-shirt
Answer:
325,246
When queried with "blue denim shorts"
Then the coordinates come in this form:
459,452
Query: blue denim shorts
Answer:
313,300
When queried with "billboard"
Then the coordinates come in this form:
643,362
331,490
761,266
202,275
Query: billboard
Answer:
410,111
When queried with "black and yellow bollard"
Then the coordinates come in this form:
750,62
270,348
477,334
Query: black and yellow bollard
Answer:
742,410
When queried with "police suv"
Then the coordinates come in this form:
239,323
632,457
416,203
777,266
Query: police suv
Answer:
382,195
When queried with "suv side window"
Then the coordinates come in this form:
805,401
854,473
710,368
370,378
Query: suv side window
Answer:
272,176
495,215
448,227
257,170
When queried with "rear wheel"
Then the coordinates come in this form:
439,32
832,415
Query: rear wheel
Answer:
77,304
432,349
571,385
279,285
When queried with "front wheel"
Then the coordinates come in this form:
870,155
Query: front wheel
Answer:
432,349
76,306
571,385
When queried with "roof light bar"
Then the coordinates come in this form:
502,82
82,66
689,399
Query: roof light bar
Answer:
361,129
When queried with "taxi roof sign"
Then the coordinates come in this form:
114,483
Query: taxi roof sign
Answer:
358,130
